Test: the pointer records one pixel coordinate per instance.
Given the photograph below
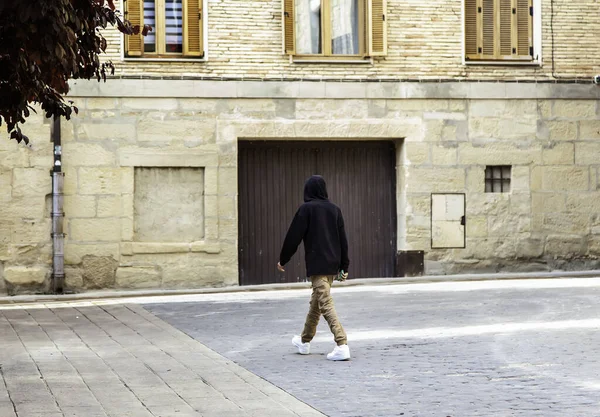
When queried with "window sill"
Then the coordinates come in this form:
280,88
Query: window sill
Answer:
328,60
174,59
503,63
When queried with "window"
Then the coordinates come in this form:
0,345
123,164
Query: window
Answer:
497,179
335,28
499,30
176,28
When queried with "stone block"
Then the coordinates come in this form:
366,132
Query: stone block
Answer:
199,131
520,203
567,223
588,203
417,105
107,131
557,178
574,109
520,178
26,275
99,181
436,179
138,277
200,106
95,230
80,206
332,109
149,104
228,180
33,207
99,271
587,153
227,207
31,182
73,278
16,158
518,128
488,204
477,226
529,248
101,103
31,231
589,129
418,204
476,179
417,153
498,153
169,204
88,154
549,202
558,153
484,128
487,108
544,109
561,130
109,206
564,246
442,155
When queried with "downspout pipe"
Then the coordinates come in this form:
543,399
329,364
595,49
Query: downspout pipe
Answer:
58,215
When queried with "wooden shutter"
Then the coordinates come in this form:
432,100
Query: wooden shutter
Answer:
471,43
193,42
498,30
289,34
377,23
524,17
134,44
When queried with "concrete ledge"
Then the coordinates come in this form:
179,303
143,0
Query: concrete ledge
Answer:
115,294
361,89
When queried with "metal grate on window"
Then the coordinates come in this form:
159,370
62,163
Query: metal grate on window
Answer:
497,179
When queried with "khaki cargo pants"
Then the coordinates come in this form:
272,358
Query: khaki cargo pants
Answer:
322,303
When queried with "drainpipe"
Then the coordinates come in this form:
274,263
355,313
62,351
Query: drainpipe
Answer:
58,237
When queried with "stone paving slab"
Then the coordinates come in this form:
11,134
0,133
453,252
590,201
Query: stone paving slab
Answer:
83,360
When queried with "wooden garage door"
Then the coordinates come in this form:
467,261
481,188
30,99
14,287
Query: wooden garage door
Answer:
360,179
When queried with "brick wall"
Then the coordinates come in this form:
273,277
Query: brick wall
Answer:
425,41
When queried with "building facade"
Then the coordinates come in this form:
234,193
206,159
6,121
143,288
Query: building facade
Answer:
466,132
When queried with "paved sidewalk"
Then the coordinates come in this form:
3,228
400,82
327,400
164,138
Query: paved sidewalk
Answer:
77,360
425,279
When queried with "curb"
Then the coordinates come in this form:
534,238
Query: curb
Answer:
428,279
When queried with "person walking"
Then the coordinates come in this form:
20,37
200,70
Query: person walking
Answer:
320,224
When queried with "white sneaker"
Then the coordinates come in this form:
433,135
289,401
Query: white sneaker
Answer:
339,353
303,348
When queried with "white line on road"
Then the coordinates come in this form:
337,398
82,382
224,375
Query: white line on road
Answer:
446,332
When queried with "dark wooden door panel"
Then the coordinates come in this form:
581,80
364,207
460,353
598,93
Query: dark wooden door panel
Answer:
360,179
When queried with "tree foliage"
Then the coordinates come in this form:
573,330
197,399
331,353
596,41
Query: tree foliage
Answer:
44,44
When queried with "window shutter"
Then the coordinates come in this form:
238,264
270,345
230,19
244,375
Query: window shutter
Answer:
193,42
489,28
377,22
133,13
506,28
471,29
524,30
289,35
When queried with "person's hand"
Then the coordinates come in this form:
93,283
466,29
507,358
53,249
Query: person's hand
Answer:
280,268
342,276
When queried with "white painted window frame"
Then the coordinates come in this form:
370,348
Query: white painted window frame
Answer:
174,59
537,41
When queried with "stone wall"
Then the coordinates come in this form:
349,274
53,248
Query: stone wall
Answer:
445,136
425,41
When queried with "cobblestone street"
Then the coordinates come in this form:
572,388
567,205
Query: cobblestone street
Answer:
505,348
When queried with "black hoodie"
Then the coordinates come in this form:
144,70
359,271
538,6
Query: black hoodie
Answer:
320,224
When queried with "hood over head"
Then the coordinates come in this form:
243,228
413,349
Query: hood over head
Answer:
315,189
